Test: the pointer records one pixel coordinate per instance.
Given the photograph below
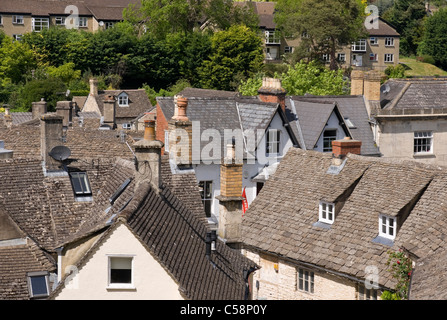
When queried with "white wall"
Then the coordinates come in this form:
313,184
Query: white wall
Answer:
333,123
150,280
211,172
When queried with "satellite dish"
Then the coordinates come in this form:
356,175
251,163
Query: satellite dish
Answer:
385,88
60,153
101,23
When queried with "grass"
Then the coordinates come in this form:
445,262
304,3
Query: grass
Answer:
420,69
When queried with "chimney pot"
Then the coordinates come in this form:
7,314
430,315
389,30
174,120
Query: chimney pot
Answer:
182,105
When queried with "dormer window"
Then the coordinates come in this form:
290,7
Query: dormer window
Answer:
123,100
326,212
387,226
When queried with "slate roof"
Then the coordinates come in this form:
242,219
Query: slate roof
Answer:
281,219
409,95
314,113
17,118
225,113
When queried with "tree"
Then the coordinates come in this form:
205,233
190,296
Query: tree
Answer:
328,24
434,41
162,17
236,54
302,78
407,16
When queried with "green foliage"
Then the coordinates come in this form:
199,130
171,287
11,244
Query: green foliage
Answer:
329,23
16,61
407,16
51,89
170,92
434,41
65,72
400,266
302,78
236,54
397,71
387,295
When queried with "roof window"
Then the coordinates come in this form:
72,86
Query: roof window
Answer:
38,284
80,184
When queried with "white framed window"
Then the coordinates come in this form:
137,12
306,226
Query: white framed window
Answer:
82,22
206,193
39,24
373,57
120,272
329,136
373,41
423,142
126,126
272,37
341,57
109,25
273,140
326,57
326,212
123,100
17,37
305,280
59,21
18,20
80,184
389,42
387,226
38,284
389,57
359,45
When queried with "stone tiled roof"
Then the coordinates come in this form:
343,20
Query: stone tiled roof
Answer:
281,219
384,29
15,262
176,236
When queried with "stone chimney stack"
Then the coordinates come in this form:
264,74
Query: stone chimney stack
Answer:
148,157
180,134
7,118
93,87
372,85
109,111
341,148
39,108
64,109
51,132
230,198
272,91
357,78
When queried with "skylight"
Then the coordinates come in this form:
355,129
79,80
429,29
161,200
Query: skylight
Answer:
349,123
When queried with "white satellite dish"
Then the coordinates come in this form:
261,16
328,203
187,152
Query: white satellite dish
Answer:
101,23
386,88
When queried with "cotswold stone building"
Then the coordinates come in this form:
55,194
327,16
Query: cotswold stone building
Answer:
18,17
323,224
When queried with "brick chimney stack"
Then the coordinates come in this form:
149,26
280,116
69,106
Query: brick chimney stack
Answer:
148,156
39,108
180,134
93,87
272,91
341,148
7,118
357,78
51,131
109,111
230,198
64,109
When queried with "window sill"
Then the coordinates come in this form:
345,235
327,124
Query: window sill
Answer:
129,287
423,155
84,199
